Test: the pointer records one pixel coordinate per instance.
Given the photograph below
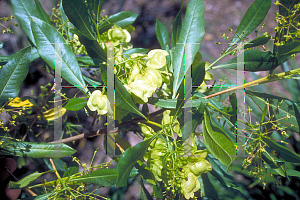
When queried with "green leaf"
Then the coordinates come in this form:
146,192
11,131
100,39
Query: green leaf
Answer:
35,150
255,14
145,172
45,36
176,29
162,34
254,60
129,158
25,181
123,99
13,74
86,60
289,49
97,8
171,103
41,12
24,10
122,19
207,187
198,73
217,142
285,153
158,190
275,164
79,16
104,177
71,170
233,102
135,50
258,41
91,81
287,113
34,56
192,32
58,163
95,51
213,102
66,23
76,104
144,194
41,197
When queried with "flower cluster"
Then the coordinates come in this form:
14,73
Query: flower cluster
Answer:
144,80
168,161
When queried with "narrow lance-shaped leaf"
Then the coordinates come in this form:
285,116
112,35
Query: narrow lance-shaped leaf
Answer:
46,36
176,29
285,153
289,49
258,41
66,23
25,181
144,193
192,32
35,150
78,14
13,74
207,187
122,19
24,10
104,177
255,14
34,55
162,34
96,53
129,158
41,12
217,142
288,113
254,60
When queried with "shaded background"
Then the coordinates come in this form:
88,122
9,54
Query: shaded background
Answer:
219,15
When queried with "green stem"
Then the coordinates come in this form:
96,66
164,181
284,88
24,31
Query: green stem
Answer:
224,55
267,79
154,123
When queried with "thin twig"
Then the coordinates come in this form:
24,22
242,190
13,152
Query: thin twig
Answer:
104,130
95,116
40,109
267,79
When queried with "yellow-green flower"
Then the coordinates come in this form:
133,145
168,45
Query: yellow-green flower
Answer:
139,89
98,101
190,185
119,35
157,58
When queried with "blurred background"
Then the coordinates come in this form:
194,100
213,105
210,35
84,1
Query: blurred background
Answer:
219,15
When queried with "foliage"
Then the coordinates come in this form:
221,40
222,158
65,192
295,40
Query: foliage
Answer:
172,157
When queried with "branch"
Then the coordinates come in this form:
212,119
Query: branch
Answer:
267,79
104,130
40,109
